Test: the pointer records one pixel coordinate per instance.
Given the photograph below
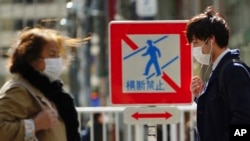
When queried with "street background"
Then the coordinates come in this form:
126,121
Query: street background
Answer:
86,74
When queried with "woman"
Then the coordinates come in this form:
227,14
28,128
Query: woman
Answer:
33,104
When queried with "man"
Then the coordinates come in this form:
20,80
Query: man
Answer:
218,110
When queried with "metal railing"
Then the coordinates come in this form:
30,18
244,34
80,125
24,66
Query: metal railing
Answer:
114,129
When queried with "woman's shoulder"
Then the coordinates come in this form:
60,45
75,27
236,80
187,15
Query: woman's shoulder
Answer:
10,88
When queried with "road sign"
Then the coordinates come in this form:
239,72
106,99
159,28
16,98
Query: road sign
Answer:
151,115
150,63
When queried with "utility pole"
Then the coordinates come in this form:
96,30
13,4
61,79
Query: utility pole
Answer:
74,62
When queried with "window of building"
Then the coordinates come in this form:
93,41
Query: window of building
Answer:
18,24
6,24
30,23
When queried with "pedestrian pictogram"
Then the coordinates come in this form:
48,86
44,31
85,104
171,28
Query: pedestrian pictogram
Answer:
150,62
153,53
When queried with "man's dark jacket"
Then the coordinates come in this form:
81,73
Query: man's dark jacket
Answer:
214,114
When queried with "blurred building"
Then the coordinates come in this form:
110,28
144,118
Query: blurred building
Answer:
16,14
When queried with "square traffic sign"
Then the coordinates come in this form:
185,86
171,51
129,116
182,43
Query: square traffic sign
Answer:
150,63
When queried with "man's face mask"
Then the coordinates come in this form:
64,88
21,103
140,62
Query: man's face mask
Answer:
204,59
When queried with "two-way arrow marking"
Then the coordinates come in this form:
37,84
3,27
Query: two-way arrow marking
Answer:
165,115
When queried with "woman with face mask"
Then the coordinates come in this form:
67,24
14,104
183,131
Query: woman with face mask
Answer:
217,110
33,104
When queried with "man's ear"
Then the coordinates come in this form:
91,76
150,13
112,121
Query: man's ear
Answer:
212,40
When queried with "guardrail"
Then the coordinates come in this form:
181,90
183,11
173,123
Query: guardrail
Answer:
113,128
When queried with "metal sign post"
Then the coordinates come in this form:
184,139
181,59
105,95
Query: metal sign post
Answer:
152,133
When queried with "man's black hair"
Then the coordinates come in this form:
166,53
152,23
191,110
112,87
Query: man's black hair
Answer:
208,24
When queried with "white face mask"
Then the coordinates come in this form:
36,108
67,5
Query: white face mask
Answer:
53,68
204,59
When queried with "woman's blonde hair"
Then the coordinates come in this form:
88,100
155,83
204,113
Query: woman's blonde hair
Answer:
31,41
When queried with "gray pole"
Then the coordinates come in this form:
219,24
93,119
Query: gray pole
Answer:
73,70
